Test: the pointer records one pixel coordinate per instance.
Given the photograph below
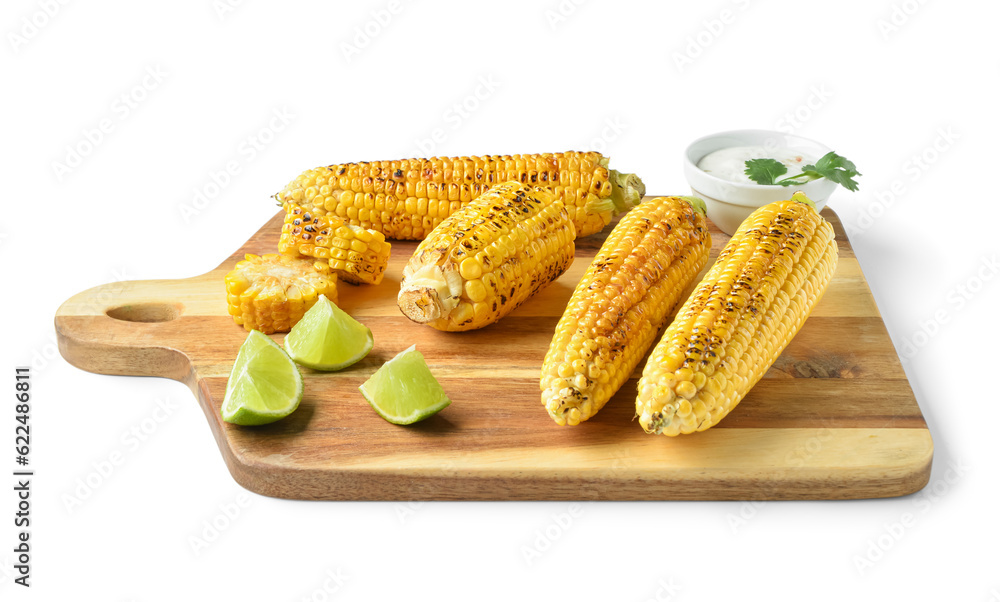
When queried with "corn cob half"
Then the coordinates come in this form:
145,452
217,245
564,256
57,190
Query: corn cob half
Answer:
357,255
406,199
270,293
487,258
636,279
738,320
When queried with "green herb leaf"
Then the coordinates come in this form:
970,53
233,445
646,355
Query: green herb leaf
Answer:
835,168
832,160
764,171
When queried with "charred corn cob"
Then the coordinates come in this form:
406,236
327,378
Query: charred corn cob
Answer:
740,317
270,293
487,258
357,255
406,199
638,276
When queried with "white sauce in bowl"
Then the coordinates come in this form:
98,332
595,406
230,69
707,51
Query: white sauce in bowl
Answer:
730,163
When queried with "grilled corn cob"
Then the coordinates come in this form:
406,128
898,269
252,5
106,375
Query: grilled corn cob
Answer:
740,317
270,293
487,258
406,199
627,293
357,255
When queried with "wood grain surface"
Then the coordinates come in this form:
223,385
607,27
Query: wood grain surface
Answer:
834,418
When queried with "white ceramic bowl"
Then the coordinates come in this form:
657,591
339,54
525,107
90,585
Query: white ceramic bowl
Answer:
729,203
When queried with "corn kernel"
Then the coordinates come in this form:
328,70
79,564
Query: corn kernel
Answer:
686,389
593,372
481,312
475,290
700,410
463,312
684,408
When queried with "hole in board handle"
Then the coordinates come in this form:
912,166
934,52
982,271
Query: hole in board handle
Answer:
146,312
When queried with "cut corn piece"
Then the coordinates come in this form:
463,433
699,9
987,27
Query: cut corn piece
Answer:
406,199
357,255
739,318
487,258
637,278
270,293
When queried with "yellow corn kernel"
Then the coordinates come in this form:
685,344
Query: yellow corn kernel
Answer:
470,268
475,290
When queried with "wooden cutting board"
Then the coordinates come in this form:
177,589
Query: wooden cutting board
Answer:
834,418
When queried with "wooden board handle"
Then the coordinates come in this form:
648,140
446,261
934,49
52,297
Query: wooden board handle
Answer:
131,328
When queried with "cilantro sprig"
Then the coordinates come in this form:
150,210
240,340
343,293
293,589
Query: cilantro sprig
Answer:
831,166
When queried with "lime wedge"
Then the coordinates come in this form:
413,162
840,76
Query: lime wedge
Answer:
403,390
265,384
326,338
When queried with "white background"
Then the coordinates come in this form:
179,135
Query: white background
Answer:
882,82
